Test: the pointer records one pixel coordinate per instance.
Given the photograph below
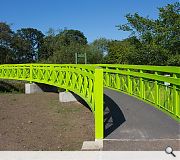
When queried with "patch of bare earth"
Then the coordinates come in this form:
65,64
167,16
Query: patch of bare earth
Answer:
41,122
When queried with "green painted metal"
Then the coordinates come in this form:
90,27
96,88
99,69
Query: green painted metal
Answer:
148,83
158,85
84,80
99,111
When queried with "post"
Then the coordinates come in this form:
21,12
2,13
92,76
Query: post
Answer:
129,83
107,78
37,57
51,72
99,108
76,58
67,78
156,91
175,98
85,58
141,87
117,80
31,73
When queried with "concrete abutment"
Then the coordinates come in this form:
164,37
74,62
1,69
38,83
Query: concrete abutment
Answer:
64,96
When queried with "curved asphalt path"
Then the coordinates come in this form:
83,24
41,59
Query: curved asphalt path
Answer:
131,124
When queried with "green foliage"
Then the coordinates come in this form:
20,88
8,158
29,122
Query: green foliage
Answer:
66,54
47,47
94,55
20,47
120,52
31,39
68,37
101,44
150,54
174,60
6,35
159,38
61,48
152,42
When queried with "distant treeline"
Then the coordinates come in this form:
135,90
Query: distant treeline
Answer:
151,42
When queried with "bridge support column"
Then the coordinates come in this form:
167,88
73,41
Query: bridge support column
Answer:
67,97
31,88
99,105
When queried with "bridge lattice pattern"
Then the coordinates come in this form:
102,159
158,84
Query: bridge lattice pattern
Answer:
157,85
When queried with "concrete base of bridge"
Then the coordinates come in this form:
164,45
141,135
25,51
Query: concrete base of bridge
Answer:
31,88
67,97
96,145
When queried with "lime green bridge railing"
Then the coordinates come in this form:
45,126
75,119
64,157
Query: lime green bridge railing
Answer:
158,85
84,80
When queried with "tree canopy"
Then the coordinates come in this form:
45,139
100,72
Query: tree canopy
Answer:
6,35
151,42
61,47
33,39
159,38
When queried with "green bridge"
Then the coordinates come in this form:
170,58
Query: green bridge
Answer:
156,85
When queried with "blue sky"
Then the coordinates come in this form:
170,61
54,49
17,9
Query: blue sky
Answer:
95,18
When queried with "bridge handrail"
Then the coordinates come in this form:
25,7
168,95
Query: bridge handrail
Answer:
158,85
154,76
167,69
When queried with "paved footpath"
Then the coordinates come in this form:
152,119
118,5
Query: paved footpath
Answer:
131,124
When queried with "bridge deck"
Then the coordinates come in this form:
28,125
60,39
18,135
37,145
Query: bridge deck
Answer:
127,118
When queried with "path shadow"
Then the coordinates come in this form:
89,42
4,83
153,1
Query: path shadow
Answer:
113,116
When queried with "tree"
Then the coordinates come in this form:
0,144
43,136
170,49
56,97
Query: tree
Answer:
33,39
101,44
94,55
20,49
6,35
120,52
47,46
61,48
72,36
160,37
